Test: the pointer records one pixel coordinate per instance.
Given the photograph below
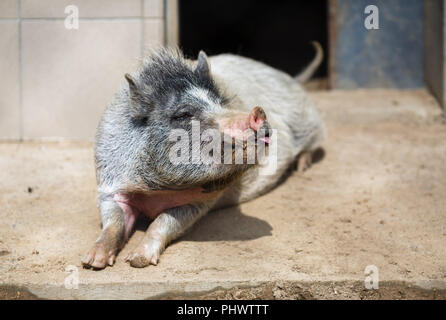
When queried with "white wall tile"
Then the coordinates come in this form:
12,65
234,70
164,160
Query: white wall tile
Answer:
154,8
9,8
9,80
87,8
69,76
153,33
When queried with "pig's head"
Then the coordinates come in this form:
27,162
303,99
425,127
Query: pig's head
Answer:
191,137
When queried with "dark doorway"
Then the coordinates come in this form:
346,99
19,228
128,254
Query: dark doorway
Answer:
275,32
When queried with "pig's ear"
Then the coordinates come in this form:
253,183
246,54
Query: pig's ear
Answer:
131,81
136,103
203,64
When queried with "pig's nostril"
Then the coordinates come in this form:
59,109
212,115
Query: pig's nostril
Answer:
265,130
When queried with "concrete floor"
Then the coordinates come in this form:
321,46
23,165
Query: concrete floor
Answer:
378,197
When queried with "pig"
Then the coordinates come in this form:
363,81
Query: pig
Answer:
227,93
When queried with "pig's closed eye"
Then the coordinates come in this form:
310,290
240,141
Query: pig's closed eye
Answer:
182,115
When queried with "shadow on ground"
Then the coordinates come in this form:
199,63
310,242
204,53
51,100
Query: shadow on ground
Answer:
228,224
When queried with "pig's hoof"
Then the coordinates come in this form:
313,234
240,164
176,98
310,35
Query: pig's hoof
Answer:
98,257
137,260
143,256
304,161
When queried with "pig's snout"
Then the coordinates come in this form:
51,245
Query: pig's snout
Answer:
241,125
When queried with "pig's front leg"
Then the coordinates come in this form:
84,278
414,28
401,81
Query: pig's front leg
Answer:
168,226
117,222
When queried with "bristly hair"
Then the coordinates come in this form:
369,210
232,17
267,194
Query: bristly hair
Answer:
166,70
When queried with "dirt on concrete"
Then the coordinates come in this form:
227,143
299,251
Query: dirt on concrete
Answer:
376,197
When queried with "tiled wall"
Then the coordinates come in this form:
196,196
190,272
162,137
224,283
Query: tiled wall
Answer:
55,82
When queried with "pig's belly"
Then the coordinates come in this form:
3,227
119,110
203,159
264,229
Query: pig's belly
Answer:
154,203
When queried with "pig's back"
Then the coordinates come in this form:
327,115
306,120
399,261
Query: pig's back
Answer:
255,82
